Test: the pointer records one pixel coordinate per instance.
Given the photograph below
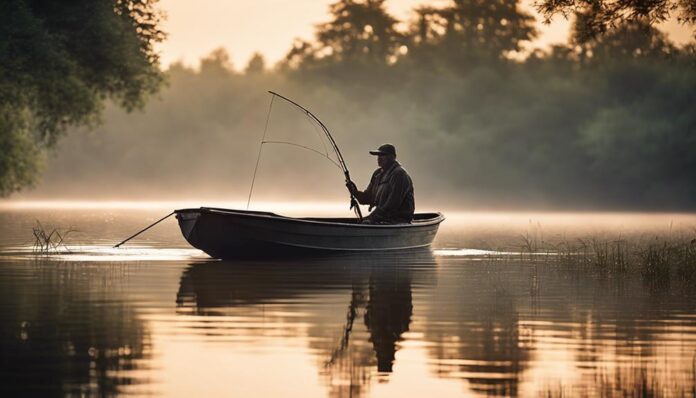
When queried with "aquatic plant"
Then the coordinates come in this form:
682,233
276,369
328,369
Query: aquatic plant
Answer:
605,255
656,259
46,242
634,381
686,261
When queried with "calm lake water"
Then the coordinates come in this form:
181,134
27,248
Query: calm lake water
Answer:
472,317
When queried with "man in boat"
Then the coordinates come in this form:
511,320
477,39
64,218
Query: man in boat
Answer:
390,191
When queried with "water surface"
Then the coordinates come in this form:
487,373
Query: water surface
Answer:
472,317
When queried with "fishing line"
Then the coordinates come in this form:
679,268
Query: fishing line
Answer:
354,205
324,155
258,158
317,130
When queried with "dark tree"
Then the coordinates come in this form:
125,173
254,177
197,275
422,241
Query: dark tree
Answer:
596,17
58,62
469,30
631,39
361,32
301,53
256,65
217,63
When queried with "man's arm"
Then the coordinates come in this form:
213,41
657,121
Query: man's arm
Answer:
367,196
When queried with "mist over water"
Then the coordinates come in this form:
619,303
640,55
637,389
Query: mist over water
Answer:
529,136
479,119
477,315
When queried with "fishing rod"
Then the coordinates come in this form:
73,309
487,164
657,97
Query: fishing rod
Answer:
143,230
341,163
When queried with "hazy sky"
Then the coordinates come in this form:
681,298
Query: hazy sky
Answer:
195,28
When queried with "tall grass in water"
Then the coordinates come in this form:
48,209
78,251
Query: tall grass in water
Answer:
656,260
659,259
686,261
46,242
634,381
608,256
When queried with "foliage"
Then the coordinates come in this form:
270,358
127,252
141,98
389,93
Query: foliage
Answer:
256,65
217,63
468,31
630,39
59,61
20,159
604,123
552,132
596,17
359,33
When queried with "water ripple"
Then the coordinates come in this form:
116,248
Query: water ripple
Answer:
95,253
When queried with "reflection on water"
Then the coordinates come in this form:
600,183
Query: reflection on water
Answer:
160,319
477,335
350,350
66,330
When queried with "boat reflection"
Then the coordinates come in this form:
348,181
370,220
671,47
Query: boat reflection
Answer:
376,291
494,328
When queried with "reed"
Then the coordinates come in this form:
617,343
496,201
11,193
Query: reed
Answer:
46,242
686,261
655,260
636,381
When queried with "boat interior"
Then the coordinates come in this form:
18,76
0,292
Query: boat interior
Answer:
417,218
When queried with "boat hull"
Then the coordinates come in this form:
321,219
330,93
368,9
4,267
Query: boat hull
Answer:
224,233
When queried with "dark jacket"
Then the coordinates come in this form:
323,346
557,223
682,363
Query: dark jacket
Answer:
390,192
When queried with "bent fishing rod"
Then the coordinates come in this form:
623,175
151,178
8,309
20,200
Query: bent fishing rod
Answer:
341,163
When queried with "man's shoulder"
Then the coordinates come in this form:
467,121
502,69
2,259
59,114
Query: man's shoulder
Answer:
400,170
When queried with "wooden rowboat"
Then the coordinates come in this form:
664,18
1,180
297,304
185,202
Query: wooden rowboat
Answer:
226,233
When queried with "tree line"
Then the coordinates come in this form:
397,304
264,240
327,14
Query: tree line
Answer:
603,121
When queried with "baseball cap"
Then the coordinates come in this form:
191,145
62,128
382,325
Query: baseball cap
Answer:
386,149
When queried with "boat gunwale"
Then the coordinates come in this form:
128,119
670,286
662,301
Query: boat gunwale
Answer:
439,218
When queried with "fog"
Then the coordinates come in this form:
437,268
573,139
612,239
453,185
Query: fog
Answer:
605,126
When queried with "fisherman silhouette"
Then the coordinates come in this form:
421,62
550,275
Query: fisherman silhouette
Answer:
390,191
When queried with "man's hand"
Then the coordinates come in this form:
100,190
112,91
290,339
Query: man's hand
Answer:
351,187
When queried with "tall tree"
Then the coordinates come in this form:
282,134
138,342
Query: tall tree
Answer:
360,32
58,62
630,39
217,63
256,65
469,30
